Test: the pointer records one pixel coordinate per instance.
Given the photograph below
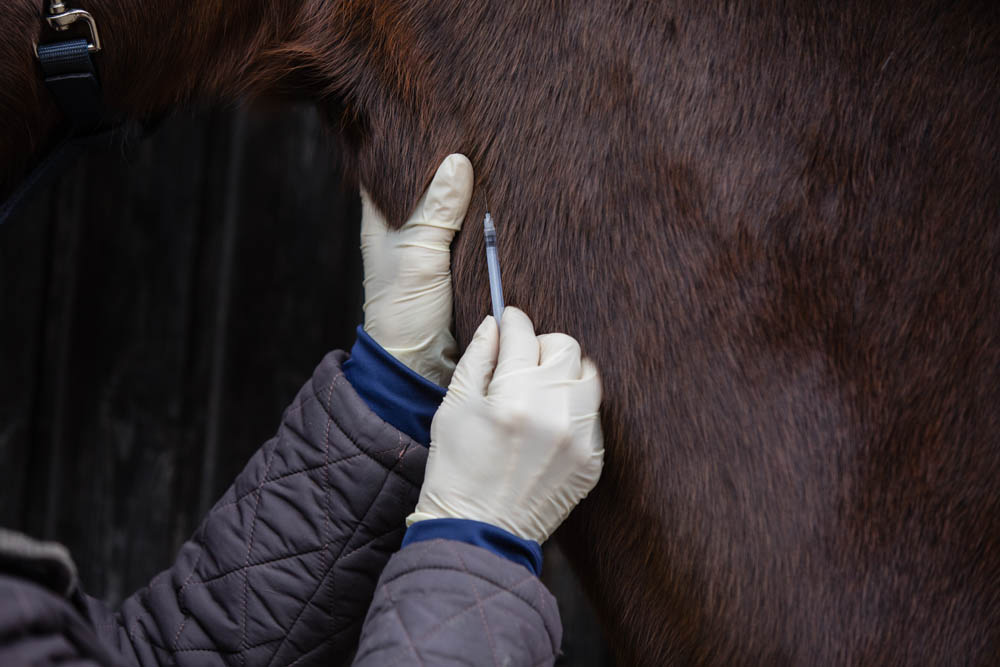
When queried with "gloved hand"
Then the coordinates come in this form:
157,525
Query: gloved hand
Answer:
408,273
517,441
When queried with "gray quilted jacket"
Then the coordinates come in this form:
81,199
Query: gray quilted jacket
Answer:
285,567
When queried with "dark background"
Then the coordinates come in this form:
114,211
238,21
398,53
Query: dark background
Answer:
159,307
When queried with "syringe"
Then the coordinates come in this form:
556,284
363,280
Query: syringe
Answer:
493,266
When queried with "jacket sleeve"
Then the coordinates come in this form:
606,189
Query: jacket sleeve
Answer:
284,566
443,602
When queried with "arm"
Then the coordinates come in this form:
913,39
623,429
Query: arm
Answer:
515,446
282,568
285,564
463,589
446,602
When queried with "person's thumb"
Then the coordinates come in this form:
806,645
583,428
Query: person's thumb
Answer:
475,368
441,212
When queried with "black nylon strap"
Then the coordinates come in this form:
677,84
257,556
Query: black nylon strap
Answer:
71,78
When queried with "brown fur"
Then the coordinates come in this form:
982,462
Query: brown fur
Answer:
775,227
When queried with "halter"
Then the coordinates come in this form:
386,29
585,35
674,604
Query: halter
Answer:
67,67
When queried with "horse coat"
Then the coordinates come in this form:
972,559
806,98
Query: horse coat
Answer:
772,224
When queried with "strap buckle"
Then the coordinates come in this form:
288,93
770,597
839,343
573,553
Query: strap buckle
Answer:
60,19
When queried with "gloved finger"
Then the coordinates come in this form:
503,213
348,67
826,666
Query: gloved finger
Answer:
449,193
586,392
475,368
559,355
440,212
518,344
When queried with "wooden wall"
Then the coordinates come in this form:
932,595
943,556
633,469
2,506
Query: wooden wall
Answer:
158,310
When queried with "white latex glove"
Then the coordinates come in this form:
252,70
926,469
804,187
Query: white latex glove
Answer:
517,441
408,273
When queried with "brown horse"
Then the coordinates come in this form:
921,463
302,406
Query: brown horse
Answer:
776,227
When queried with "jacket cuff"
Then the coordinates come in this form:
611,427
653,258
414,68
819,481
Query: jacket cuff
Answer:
477,533
397,394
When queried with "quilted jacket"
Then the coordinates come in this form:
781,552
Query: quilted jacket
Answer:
296,564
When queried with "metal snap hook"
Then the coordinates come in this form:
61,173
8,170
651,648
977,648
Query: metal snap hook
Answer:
60,19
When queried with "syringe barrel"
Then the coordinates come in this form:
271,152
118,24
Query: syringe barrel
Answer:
493,267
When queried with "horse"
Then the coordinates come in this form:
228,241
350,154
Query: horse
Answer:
773,225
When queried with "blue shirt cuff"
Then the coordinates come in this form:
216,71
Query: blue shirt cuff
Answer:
506,545
394,392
